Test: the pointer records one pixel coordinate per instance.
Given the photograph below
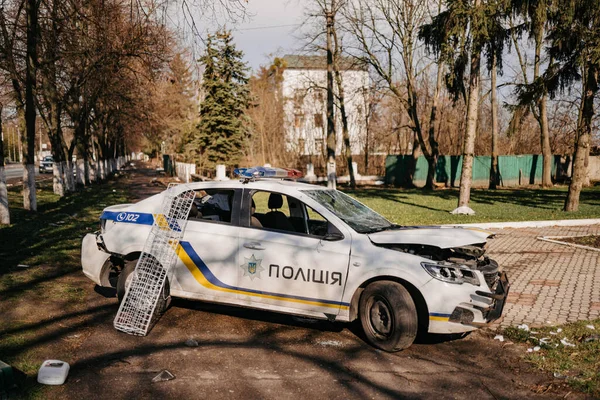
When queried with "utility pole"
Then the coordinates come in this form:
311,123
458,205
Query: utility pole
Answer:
331,142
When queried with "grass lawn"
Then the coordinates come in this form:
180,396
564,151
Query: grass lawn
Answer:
419,207
40,270
568,351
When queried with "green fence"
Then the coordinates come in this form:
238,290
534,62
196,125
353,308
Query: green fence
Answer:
514,170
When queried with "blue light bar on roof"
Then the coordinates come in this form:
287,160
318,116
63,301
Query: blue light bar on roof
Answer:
267,172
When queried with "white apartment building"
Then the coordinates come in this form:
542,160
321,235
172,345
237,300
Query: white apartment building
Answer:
305,108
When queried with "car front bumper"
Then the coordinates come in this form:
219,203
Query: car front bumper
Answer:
462,309
93,259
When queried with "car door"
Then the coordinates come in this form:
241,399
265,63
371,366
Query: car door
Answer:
291,269
207,257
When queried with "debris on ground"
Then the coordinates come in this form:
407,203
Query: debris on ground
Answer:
163,376
523,327
559,375
332,343
53,372
592,338
499,337
590,326
191,343
566,343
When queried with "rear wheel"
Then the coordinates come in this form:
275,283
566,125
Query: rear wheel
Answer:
388,316
125,278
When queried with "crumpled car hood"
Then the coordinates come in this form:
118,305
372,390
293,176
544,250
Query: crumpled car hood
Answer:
439,236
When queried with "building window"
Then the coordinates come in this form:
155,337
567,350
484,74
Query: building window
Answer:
301,146
299,95
320,96
319,146
318,120
298,120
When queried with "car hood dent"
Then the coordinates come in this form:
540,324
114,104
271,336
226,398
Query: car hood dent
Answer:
442,237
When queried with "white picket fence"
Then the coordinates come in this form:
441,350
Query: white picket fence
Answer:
184,171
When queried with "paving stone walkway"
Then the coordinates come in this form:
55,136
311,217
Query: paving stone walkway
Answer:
550,282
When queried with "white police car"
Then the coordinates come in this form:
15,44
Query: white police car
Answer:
301,249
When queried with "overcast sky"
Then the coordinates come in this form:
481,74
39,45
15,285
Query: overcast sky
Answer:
269,30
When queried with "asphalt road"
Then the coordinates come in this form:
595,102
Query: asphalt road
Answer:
16,171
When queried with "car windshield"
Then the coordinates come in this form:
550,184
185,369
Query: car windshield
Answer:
48,158
360,217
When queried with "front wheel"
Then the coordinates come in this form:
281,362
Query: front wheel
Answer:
388,316
125,278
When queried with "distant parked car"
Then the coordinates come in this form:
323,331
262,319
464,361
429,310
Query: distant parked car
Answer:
46,164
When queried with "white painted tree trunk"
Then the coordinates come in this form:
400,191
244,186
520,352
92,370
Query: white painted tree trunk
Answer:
4,211
29,195
466,176
80,172
58,178
69,178
95,167
102,169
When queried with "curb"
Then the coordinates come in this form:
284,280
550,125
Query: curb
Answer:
530,224
555,239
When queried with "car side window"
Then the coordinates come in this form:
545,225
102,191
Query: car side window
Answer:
315,222
212,205
271,210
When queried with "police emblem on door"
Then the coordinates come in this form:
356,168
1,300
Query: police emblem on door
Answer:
252,267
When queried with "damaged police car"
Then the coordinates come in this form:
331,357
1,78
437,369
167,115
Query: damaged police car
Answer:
301,249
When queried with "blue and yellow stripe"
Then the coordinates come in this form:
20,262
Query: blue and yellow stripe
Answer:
439,317
204,276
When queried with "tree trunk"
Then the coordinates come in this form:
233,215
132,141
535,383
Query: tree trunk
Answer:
412,162
435,148
342,106
542,115
582,143
4,211
545,143
586,181
367,149
466,176
58,178
494,173
331,139
29,195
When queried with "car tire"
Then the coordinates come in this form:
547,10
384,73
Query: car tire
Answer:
388,316
124,280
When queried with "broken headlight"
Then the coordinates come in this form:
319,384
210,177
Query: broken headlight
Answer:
452,273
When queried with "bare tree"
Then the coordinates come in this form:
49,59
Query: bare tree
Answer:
341,99
4,211
494,172
31,61
386,37
470,28
535,15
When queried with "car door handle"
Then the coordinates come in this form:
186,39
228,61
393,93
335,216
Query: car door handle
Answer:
253,246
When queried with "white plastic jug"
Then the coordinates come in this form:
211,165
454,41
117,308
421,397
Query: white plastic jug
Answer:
53,372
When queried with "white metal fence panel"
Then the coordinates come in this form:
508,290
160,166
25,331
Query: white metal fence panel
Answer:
136,313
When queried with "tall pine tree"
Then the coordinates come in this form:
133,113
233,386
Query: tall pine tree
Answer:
222,129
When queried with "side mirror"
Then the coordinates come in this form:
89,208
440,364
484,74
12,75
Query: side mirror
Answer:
333,236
